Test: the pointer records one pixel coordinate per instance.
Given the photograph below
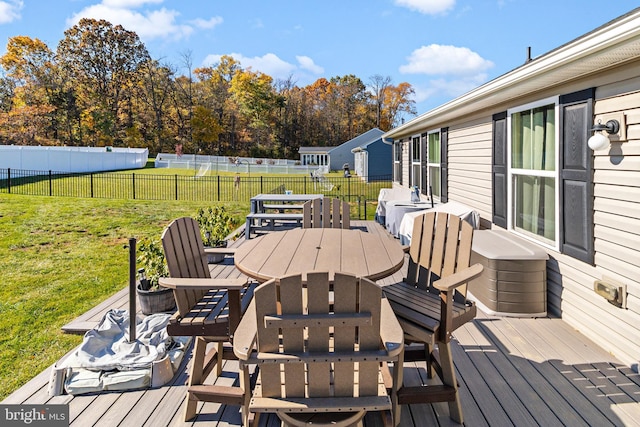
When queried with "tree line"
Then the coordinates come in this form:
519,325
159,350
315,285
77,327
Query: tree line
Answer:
100,87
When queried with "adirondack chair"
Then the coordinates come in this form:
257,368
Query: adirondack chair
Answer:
328,213
311,340
207,309
431,302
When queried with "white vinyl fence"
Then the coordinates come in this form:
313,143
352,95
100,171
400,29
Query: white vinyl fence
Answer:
71,159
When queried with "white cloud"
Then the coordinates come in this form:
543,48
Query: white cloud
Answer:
207,23
271,65
10,11
154,24
428,7
459,70
127,4
150,24
439,59
307,63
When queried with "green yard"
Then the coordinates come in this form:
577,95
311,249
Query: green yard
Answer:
59,257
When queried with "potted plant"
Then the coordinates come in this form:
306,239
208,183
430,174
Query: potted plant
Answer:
153,298
215,225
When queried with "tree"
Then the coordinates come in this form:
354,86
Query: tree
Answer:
378,85
205,127
103,60
398,100
154,91
31,68
214,84
349,93
254,94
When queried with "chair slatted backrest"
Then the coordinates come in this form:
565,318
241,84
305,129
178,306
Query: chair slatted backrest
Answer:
300,316
330,213
335,214
440,246
311,214
184,252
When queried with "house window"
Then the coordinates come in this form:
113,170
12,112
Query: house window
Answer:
397,162
416,162
533,172
433,163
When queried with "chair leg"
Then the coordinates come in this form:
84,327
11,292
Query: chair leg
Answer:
195,376
220,346
449,378
398,377
245,384
428,350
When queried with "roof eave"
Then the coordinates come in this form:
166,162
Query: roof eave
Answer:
608,46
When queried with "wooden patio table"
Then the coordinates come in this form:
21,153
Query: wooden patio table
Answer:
299,251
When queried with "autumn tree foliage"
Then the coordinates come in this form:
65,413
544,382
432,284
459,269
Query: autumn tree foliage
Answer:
101,87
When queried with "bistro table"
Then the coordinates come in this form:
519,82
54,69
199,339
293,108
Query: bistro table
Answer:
299,251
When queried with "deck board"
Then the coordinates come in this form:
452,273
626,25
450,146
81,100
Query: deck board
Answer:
512,371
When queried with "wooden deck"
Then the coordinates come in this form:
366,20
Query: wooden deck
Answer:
512,371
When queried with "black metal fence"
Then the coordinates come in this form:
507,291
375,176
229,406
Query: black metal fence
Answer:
142,186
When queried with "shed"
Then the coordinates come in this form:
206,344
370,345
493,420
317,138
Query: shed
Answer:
372,160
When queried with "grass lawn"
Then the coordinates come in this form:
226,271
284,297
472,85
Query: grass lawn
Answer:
59,257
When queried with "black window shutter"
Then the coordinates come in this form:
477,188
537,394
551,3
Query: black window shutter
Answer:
444,165
423,165
576,176
499,169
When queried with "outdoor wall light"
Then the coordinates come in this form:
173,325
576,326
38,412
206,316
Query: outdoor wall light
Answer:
600,141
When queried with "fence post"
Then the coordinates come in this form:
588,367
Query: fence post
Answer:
50,183
175,184
9,180
218,187
365,207
91,184
133,184
261,190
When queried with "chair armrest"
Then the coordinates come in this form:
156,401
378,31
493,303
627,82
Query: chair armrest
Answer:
245,335
457,279
391,333
182,283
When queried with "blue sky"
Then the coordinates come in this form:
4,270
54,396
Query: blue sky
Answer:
443,48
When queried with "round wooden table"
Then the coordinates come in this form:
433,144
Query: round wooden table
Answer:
299,251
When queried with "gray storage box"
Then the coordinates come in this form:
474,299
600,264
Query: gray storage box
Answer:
514,279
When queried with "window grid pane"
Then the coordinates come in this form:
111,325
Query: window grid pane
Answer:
535,200
533,163
415,149
434,148
533,139
434,180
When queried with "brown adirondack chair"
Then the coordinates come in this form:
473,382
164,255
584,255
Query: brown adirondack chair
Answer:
431,302
328,213
207,309
320,347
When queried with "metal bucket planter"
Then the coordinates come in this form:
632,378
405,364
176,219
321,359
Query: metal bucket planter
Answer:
156,301
215,258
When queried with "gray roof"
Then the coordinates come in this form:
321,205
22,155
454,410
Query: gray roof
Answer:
314,150
361,140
